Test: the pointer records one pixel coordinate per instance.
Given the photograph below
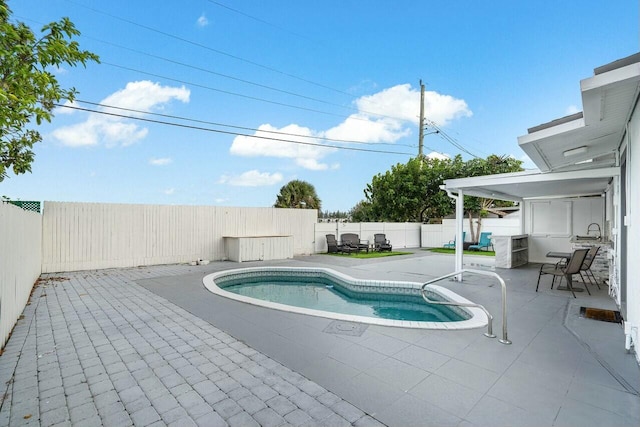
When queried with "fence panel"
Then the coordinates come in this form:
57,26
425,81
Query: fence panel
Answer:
432,236
82,236
20,260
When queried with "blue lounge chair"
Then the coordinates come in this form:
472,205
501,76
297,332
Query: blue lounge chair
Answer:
452,243
485,242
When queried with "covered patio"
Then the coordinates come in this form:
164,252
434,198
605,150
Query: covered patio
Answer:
586,165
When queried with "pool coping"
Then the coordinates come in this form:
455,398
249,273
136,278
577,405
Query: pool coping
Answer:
478,318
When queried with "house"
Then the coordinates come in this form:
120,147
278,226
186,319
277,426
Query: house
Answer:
589,174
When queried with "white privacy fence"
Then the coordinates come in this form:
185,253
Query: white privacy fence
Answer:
401,235
82,236
413,235
20,262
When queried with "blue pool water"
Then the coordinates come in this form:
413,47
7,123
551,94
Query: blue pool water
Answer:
322,293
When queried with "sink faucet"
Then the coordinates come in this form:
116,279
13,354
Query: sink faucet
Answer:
590,228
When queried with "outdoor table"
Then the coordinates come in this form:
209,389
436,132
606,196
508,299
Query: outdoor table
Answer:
566,256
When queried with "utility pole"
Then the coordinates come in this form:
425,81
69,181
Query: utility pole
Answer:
421,123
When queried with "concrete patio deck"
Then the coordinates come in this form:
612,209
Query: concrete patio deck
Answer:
151,346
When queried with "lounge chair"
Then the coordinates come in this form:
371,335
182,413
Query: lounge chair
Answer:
334,247
452,243
573,266
352,240
485,242
380,243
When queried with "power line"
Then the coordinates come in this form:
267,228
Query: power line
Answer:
239,127
227,76
227,92
449,138
443,134
239,12
218,51
337,147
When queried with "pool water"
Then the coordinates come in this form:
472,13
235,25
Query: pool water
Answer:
323,294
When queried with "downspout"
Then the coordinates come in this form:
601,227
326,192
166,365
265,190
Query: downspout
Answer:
459,198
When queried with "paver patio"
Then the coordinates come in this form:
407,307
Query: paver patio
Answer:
151,346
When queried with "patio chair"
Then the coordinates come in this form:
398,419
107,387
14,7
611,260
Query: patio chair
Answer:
573,266
380,243
452,243
333,246
586,266
485,242
352,240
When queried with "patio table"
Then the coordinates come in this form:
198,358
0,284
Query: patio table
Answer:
566,256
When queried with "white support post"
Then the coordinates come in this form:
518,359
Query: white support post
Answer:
459,228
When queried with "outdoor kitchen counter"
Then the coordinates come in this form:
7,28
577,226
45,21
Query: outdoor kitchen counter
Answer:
600,266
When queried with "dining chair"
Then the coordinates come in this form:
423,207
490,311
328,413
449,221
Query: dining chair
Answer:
573,266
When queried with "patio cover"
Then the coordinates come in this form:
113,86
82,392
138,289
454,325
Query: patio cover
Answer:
535,184
576,155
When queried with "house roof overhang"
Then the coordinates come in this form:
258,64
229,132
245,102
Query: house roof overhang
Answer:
576,155
589,139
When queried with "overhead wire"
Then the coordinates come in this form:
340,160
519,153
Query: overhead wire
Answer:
338,147
255,18
442,133
170,116
218,51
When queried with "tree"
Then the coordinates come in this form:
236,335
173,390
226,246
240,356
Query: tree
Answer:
28,90
361,212
481,206
411,191
298,194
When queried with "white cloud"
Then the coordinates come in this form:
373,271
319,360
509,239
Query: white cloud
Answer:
312,164
402,102
439,156
572,109
160,162
142,95
169,191
252,178
383,117
202,21
306,155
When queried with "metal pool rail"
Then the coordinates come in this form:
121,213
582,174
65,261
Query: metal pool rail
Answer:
489,333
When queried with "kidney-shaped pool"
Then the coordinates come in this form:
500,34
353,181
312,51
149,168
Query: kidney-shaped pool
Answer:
328,293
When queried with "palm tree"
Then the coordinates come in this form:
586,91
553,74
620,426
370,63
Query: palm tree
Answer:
298,194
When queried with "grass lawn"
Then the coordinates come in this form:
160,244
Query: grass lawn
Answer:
371,254
453,251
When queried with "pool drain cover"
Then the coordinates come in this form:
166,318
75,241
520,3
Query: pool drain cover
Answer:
600,314
345,328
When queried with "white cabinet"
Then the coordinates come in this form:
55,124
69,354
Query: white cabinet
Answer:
511,251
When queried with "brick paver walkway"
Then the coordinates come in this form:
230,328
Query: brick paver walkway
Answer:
94,348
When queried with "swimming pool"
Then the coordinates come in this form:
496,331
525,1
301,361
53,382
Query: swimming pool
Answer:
328,293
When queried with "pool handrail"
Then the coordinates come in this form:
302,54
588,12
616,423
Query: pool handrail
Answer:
489,333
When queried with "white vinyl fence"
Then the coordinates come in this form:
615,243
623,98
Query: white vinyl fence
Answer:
401,235
20,261
83,236
413,235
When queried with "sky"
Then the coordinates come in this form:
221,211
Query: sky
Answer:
330,88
